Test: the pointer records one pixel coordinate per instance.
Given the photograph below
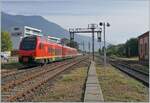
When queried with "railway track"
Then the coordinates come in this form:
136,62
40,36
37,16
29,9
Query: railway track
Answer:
137,70
8,73
141,76
19,89
135,73
133,65
10,77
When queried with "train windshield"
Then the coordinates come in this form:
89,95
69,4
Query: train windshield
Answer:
28,43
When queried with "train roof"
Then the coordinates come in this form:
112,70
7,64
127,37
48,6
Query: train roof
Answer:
53,43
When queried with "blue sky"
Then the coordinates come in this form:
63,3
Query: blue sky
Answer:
128,18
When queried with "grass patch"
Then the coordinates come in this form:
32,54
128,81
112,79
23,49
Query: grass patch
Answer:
117,86
67,88
13,65
127,59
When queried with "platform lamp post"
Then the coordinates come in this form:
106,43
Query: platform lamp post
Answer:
92,27
104,25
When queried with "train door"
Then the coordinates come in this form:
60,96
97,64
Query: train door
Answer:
53,53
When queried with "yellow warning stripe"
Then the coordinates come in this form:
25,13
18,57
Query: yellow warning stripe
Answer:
46,57
50,57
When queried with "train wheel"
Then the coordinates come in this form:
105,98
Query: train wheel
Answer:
45,61
48,61
42,62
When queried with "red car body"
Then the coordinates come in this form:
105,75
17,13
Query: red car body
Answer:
36,49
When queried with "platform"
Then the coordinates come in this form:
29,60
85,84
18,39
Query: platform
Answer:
93,91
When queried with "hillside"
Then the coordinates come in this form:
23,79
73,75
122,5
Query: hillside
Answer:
34,21
47,27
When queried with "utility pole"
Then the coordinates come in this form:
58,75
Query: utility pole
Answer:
104,45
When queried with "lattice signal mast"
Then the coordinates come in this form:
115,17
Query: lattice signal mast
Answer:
92,28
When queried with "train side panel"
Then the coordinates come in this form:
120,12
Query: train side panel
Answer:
45,51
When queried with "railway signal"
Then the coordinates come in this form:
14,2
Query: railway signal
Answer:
104,25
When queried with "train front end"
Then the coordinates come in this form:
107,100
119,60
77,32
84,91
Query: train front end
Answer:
27,50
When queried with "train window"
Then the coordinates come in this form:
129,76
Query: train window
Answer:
55,51
58,51
28,43
49,49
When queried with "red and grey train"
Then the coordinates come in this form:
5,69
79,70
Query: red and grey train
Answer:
38,49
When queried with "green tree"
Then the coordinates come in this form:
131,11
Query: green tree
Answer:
6,43
117,50
111,50
131,47
121,50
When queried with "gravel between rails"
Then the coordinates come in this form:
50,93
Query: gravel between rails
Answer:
29,84
42,94
22,73
15,74
29,76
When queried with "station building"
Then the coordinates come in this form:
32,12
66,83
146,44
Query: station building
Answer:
143,44
54,39
17,33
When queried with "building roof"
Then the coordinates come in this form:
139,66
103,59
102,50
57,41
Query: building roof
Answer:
33,28
144,34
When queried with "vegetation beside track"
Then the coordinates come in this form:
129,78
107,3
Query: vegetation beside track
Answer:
67,87
13,65
117,86
136,58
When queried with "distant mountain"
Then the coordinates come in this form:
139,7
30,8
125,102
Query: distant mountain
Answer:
47,27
